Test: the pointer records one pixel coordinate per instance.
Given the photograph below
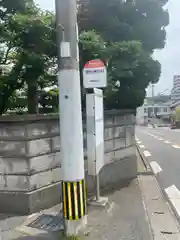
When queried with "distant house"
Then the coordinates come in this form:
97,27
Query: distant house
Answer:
158,107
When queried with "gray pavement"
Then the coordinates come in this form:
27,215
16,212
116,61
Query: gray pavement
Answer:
137,210
160,148
124,219
167,133
161,143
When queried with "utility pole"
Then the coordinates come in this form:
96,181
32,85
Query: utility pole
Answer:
152,90
153,110
71,131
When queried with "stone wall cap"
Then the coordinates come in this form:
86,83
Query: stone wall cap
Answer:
28,118
54,116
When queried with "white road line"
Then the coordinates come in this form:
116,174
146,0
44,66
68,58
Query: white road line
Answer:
139,142
155,167
160,138
154,136
147,154
176,146
167,141
141,146
174,197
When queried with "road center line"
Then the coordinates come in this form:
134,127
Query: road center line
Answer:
167,141
147,154
136,138
141,146
160,138
176,146
155,167
139,142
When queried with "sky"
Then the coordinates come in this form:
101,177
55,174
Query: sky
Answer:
169,57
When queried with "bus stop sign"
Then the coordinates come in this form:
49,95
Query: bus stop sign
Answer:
95,74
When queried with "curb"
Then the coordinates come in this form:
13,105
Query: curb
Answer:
173,210
175,213
146,164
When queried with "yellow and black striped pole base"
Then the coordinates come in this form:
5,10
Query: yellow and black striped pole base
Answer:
74,200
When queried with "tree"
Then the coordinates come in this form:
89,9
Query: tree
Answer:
120,20
176,114
34,35
130,71
123,33
29,35
131,30
9,7
49,100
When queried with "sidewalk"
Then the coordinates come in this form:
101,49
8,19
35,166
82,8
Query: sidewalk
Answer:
137,211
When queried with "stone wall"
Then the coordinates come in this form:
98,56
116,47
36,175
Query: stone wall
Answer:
30,159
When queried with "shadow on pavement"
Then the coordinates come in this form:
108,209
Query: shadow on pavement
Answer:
116,187
46,236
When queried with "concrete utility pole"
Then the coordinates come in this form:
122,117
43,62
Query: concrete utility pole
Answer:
73,186
152,90
153,111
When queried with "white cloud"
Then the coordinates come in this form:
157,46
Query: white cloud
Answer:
169,57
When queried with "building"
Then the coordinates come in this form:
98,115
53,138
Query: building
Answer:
158,108
175,93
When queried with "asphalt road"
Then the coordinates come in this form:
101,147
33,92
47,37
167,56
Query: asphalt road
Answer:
161,148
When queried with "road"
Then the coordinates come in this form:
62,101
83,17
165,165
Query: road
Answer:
161,148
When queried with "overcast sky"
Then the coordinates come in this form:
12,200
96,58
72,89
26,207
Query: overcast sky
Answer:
169,57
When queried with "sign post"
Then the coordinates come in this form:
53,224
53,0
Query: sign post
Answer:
95,76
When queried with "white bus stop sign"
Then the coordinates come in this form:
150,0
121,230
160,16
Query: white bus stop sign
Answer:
94,74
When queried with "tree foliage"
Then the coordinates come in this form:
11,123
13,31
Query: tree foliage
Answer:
176,114
126,20
28,35
134,69
123,33
132,30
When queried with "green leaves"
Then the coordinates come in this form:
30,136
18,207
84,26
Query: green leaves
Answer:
131,30
141,20
91,46
122,33
29,37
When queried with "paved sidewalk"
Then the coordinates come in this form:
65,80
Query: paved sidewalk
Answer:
137,211
124,219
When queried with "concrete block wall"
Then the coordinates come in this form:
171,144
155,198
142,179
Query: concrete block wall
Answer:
120,152
30,158
29,153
